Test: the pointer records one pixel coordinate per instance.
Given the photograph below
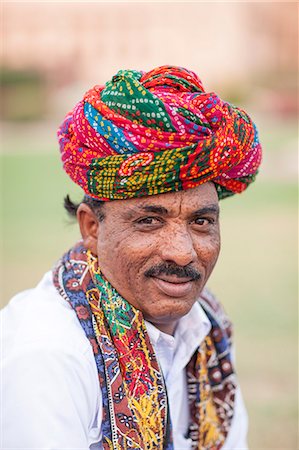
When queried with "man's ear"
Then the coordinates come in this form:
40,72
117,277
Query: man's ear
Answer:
89,224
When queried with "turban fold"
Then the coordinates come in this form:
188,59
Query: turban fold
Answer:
147,133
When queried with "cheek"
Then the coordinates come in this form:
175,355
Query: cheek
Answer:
123,265
136,249
208,250
124,258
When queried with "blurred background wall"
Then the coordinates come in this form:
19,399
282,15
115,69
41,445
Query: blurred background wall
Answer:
245,51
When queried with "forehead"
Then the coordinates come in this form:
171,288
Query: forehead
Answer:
174,202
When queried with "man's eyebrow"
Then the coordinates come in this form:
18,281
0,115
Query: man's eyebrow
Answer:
207,210
156,209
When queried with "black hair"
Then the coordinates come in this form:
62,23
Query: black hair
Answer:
95,205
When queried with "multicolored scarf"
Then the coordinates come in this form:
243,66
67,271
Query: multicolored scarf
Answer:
135,408
150,133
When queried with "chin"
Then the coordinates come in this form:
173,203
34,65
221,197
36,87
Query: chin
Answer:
169,309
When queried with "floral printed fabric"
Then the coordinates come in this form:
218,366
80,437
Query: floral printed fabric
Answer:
156,132
135,409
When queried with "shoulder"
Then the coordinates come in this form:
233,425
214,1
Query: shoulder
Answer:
41,318
45,349
48,371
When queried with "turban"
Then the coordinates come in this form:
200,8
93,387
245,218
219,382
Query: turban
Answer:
147,133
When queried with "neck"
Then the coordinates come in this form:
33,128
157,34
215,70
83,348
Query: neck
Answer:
168,328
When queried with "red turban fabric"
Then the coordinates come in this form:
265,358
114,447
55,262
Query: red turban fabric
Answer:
156,132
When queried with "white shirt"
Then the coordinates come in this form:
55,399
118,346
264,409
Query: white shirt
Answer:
51,396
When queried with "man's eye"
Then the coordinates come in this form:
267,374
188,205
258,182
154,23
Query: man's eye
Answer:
203,221
148,221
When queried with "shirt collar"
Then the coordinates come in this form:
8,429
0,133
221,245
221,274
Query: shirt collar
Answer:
192,328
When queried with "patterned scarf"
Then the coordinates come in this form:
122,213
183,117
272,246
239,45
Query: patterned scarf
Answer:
150,133
135,407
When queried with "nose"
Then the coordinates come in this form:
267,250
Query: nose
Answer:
178,247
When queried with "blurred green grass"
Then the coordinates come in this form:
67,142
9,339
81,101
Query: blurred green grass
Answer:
256,277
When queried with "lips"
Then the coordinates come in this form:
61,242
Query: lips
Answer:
173,286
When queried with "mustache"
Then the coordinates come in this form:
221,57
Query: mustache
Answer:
173,269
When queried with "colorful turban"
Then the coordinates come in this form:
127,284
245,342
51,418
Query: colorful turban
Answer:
147,133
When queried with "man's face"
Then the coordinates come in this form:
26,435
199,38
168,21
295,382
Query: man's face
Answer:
159,251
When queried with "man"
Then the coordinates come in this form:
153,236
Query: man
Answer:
121,346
